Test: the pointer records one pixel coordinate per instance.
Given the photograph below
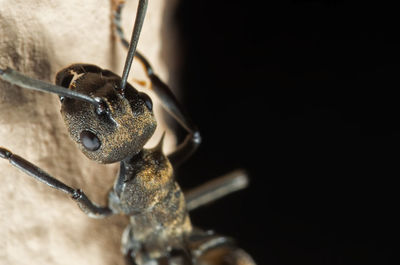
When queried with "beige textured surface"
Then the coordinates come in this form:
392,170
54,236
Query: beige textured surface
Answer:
37,224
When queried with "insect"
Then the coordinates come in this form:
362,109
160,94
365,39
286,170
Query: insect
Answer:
111,122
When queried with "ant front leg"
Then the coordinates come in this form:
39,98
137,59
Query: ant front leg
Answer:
174,108
87,206
167,99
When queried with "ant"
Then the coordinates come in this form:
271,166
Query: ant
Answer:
111,122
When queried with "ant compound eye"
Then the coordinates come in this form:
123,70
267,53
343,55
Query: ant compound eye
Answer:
90,141
147,100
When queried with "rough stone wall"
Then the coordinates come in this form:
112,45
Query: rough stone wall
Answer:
39,225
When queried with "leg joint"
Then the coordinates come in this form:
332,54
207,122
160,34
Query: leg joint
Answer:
196,138
4,153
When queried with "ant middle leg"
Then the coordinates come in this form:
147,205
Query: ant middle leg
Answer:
216,189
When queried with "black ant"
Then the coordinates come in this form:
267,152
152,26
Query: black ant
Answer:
111,122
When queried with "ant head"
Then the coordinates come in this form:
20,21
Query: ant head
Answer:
118,127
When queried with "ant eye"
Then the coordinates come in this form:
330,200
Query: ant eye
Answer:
147,100
90,141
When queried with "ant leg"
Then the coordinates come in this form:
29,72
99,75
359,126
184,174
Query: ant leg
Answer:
227,255
177,256
210,248
216,189
167,99
172,106
129,259
88,207
117,22
201,242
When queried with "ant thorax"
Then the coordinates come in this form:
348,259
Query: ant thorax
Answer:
147,192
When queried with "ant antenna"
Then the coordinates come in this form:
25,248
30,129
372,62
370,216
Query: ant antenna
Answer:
16,78
141,12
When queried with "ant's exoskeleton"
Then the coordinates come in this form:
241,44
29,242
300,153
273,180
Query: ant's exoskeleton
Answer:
111,122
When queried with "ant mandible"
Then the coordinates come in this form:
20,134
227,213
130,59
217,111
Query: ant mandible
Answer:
111,122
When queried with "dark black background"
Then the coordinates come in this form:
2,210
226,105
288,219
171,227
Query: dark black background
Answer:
302,94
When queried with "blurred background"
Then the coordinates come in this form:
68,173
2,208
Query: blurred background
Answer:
302,94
